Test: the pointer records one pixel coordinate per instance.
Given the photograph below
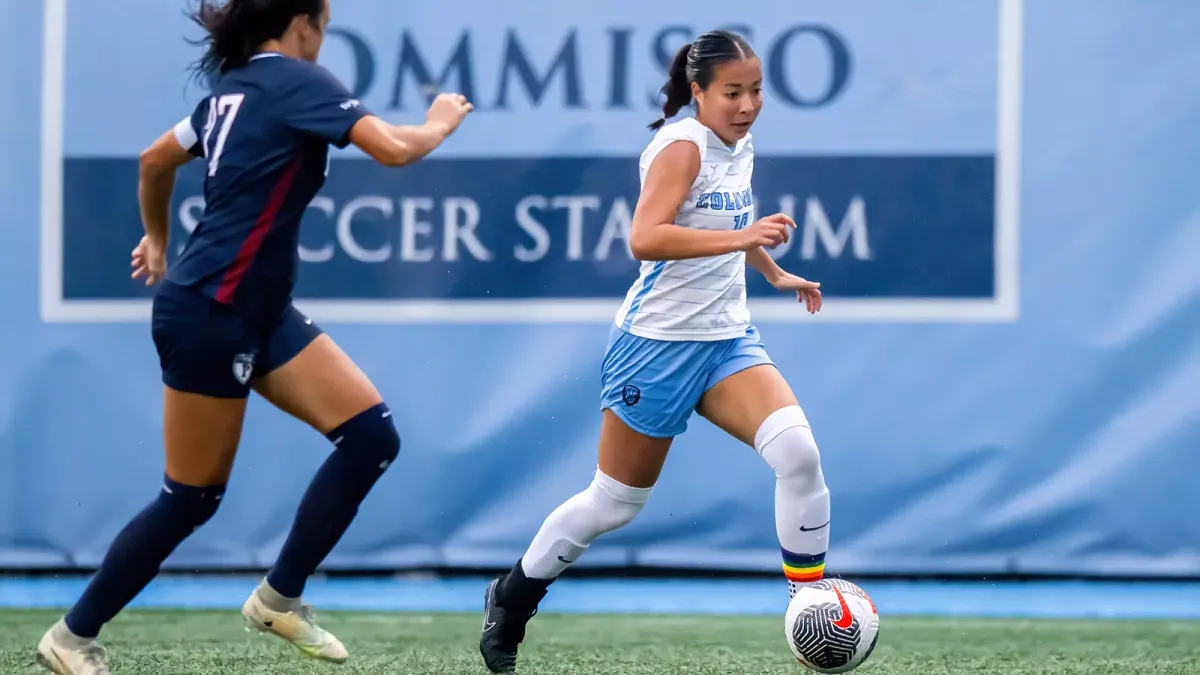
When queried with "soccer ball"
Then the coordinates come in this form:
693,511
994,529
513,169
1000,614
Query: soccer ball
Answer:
831,626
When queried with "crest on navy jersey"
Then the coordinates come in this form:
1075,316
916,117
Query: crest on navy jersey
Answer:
243,367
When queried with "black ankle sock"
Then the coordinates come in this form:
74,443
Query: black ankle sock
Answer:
518,592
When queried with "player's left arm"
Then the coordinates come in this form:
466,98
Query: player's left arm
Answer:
806,291
394,146
762,261
318,104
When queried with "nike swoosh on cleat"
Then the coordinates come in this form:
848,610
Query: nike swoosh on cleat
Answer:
488,624
54,653
562,559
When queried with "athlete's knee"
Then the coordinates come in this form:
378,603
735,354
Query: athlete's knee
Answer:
191,504
370,437
786,442
613,504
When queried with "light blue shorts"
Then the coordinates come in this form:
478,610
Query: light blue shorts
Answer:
654,385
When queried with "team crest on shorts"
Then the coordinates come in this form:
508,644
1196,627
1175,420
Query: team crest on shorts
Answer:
243,367
631,395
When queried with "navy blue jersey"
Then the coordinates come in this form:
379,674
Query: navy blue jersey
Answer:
264,133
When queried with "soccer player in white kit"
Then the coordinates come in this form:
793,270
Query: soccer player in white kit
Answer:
683,341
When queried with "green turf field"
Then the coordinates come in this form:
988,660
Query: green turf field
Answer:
204,642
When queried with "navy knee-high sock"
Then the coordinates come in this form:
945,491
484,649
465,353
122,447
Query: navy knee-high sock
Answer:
364,448
139,550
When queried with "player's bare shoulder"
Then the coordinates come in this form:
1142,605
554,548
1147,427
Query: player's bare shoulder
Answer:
687,129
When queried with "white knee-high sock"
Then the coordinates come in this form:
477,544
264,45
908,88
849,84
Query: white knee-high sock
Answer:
603,507
786,442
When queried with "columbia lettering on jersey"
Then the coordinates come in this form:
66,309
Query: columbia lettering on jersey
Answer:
699,298
264,132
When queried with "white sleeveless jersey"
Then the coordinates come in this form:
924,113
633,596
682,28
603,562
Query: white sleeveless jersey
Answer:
699,298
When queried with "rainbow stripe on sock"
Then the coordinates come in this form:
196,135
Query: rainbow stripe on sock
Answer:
802,568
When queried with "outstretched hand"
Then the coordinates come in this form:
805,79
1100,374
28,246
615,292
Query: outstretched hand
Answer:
808,292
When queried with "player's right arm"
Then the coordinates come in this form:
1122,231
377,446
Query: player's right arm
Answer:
156,177
156,181
393,145
654,234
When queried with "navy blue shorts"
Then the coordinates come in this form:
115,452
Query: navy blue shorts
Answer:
208,348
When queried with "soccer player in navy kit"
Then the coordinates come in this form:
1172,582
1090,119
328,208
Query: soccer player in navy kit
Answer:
223,321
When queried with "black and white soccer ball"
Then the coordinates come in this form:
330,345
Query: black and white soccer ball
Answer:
831,626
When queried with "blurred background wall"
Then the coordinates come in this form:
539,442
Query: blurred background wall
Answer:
999,197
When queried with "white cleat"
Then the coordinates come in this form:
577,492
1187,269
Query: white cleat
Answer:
299,628
83,658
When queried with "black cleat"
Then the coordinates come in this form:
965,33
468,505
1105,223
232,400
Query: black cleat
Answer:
503,631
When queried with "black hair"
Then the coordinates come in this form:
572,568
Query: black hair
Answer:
236,28
697,62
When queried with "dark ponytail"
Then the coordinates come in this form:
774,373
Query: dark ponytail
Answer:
235,29
697,62
678,88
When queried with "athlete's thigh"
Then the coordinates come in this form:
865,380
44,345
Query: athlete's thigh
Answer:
309,377
649,389
744,390
201,436
206,352
628,456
